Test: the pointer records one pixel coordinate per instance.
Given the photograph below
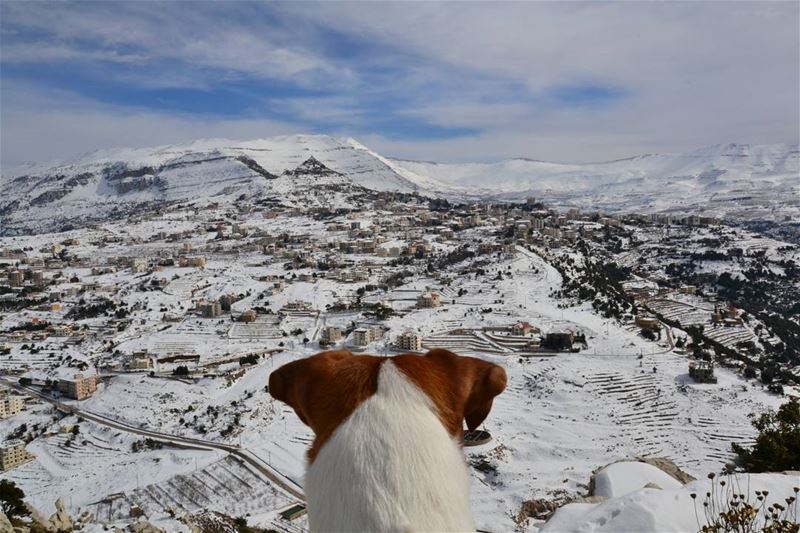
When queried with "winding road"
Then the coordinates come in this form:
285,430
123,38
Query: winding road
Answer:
279,479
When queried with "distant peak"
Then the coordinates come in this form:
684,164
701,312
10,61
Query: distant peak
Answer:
311,167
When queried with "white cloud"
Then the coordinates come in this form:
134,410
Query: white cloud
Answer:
692,74
192,34
56,125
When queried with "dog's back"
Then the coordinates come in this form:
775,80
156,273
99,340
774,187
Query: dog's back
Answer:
391,466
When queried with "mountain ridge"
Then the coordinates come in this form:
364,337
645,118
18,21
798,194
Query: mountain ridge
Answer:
744,180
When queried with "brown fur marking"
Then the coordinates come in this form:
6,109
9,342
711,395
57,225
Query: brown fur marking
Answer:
325,388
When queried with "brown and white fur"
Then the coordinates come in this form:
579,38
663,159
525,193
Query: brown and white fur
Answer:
388,432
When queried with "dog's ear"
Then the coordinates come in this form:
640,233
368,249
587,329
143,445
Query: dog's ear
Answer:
488,381
294,382
474,383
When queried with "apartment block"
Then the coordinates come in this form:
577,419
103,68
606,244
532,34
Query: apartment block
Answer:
409,340
210,309
16,278
10,405
331,335
364,336
79,387
429,300
12,454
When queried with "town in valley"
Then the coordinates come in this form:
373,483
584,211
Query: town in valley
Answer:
136,343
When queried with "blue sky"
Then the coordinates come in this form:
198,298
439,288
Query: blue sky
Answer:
440,81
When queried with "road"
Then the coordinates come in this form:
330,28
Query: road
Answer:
546,266
271,473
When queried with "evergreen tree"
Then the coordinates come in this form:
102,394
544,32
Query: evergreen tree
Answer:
11,499
777,446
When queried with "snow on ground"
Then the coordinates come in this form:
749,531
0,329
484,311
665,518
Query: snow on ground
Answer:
670,508
95,462
561,417
621,478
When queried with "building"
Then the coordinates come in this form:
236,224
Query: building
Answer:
79,387
297,305
141,361
227,300
702,371
193,261
293,512
10,405
559,340
409,340
429,300
610,221
365,336
138,265
16,278
12,454
728,316
537,223
210,309
648,322
523,329
352,276
99,271
248,316
38,278
331,335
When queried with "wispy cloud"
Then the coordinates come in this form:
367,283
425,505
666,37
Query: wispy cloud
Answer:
52,125
460,81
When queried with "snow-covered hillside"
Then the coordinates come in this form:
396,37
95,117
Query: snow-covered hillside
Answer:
719,162
745,181
719,180
114,183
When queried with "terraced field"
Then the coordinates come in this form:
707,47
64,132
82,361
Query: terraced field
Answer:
226,486
466,342
729,336
640,407
662,424
261,329
685,314
33,361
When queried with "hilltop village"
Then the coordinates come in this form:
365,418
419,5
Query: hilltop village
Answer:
144,344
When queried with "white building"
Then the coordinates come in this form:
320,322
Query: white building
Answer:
13,453
331,335
10,405
365,336
429,300
409,340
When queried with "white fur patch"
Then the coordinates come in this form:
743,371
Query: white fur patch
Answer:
390,466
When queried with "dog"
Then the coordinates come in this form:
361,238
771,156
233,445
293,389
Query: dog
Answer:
388,434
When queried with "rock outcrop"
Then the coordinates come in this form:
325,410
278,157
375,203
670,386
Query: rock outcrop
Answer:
662,463
5,524
61,520
143,526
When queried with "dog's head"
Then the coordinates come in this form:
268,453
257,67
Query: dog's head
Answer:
325,388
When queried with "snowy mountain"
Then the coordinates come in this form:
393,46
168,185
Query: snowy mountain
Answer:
114,183
749,181
731,179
